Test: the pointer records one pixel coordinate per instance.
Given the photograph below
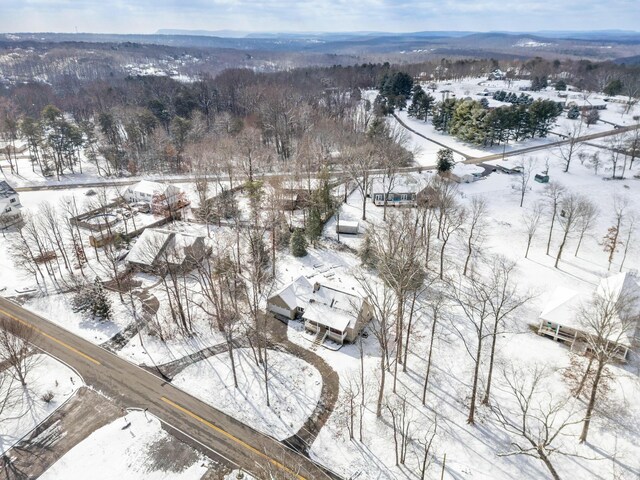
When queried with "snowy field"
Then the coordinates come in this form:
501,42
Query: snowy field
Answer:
294,390
133,447
26,409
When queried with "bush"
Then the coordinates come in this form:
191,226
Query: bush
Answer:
47,397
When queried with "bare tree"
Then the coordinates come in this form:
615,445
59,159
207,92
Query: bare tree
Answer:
631,228
587,217
473,300
572,209
612,239
452,222
382,301
398,253
608,321
572,144
505,299
362,158
436,304
534,419
475,228
531,221
15,337
522,183
554,194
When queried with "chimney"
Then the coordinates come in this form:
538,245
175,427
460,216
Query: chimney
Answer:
316,287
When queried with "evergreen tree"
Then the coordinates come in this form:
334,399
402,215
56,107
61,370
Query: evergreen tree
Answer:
367,252
443,113
100,306
298,244
314,226
574,112
445,160
614,87
561,86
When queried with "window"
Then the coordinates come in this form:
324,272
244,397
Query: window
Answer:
379,197
404,196
13,200
8,209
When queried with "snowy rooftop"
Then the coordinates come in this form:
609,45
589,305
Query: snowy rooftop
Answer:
148,247
154,241
409,183
150,188
295,291
465,169
6,190
326,305
563,305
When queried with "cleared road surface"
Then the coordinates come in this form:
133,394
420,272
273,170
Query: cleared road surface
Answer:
131,386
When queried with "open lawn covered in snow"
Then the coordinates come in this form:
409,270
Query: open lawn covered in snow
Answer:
294,390
26,408
133,447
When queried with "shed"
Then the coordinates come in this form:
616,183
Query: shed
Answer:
344,226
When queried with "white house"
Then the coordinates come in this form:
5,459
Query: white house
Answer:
463,173
559,318
160,194
328,312
9,205
399,190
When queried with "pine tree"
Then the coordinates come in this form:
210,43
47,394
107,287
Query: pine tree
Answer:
100,306
366,252
574,112
298,244
314,226
445,160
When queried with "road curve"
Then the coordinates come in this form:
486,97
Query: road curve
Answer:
131,386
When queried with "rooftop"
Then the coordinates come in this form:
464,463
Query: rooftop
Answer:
6,190
407,183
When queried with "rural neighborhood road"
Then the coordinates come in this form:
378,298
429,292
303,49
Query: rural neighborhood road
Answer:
227,440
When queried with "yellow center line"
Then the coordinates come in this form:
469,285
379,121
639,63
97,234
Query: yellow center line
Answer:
233,438
52,338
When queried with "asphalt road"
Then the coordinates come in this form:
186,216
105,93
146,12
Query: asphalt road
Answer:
127,384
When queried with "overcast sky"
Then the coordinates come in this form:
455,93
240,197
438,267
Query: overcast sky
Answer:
147,16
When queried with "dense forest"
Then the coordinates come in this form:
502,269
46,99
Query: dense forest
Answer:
243,122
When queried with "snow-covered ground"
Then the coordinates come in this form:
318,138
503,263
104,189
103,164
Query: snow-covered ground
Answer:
294,390
472,451
133,447
26,409
425,151
58,308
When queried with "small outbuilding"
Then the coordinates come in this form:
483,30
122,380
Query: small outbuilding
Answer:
349,227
